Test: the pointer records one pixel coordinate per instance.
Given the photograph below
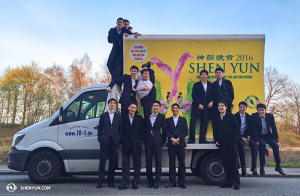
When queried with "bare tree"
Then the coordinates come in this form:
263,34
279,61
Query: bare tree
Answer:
103,75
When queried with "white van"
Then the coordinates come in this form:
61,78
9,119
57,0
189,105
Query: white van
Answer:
66,143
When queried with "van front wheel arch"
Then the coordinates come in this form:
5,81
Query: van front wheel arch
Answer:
44,168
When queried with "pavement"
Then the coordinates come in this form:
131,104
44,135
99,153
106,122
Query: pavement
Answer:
270,172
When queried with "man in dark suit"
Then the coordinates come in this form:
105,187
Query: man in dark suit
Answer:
247,137
128,95
133,135
177,130
222,90
202,102
109,135
262,124
154,140
115,59
226,134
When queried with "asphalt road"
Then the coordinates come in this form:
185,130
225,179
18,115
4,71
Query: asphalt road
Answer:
86,185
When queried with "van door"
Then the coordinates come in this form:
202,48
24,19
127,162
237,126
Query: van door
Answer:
78,135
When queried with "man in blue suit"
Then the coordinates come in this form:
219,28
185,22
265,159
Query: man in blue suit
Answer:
263,123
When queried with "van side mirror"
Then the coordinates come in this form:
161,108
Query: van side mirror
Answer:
61,115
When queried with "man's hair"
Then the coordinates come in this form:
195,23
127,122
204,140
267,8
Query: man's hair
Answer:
130,28
243,103
204,71
175,104
134,67
219,69
112,99
226,104
144,70
261,105
157,103
134,103
125,20
120,19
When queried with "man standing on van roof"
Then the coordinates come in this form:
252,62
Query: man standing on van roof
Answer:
115,59
222,90
128,95
109,135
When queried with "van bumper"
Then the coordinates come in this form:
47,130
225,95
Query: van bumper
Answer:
17,158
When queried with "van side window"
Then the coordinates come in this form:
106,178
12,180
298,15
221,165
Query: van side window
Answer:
73,110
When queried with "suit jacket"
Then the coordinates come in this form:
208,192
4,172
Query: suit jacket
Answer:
107,130
117,41
201,97
127,88
180,131
133,134
159,137
257,125
226,132
216,94
249,131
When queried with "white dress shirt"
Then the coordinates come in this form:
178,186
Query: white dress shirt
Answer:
111,116
175,119
131,119
132,81
264,125
153,118
222,116
243,123
220,83
204,85
141,84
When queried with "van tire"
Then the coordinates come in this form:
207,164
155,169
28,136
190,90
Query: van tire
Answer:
44,168
212,170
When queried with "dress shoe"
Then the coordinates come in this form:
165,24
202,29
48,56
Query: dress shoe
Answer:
203,142
121,187
279,169
111,185
262,171
225,186
155,186
171,185
191,142
254,171
134,185
236,187
182,186
99,185
244,171
148,65
150,185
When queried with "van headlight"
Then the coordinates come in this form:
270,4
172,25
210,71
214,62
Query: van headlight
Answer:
17,138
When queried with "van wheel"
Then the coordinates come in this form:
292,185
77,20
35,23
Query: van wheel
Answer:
212,170
44,168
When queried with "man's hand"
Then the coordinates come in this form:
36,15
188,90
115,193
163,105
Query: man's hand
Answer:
126,35
217,143
174,141
136,35
257,143
210,104
108,89
245,140
278,144
134,90
201,107
164,145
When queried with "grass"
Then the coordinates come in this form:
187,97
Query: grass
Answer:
285,165
9,125
289,139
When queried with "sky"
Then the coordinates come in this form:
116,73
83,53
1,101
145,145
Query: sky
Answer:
60,31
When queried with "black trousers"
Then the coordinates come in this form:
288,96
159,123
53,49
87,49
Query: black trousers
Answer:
107,151
153,149
231,171
263,140
204,118
147,103
115,66
179,151
241,151
152,93
126,166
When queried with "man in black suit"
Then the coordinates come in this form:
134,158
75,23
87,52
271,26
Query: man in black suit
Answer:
262,124
128,95
133,135
109,135
247,137
222,90
202,102
226,134
177,130
115,59
154,141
